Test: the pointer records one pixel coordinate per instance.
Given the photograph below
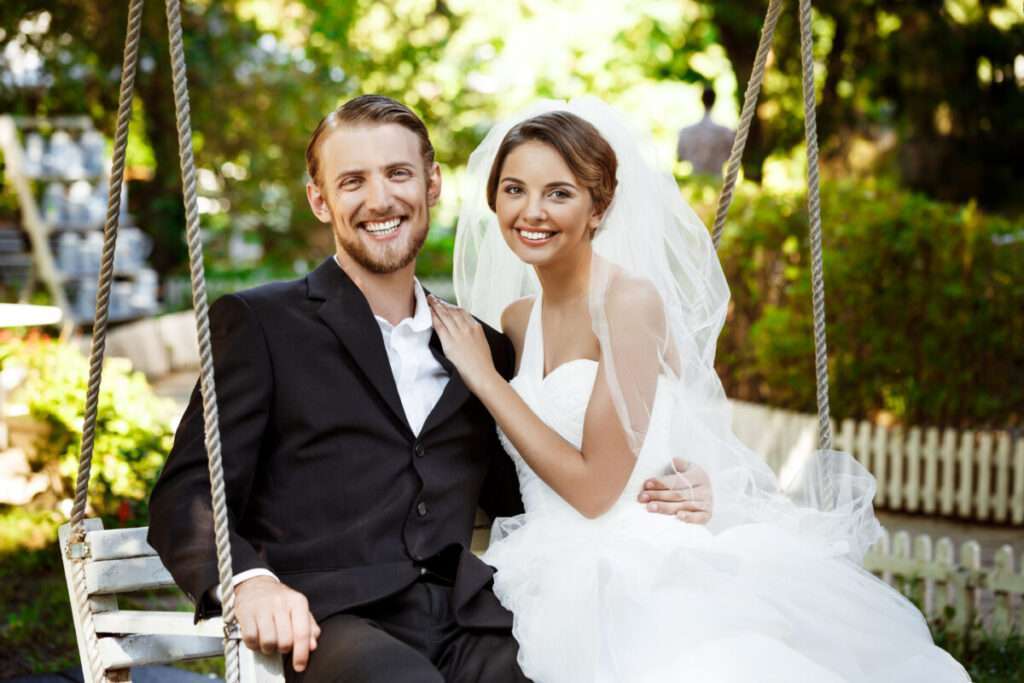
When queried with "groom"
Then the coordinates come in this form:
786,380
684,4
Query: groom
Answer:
354,456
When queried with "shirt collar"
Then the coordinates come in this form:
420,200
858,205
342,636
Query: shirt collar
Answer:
421,319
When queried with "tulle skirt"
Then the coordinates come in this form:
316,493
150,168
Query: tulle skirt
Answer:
634,597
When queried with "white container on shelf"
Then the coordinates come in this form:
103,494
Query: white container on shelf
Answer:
64,157
94,152
69,248
92,252
35,152
55,204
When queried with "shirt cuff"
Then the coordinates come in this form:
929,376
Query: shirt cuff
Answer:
244,576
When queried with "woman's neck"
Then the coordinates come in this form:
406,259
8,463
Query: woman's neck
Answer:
566,280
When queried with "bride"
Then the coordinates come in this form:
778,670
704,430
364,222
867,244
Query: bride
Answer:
611,292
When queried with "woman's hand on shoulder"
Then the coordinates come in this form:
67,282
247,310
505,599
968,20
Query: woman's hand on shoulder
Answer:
464,343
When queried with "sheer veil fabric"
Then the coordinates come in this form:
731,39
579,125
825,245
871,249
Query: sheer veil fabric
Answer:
658,300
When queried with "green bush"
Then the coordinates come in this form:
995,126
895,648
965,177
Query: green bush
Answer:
133,426
924,308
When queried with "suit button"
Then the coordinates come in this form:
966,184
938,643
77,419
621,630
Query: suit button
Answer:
418,450
421,509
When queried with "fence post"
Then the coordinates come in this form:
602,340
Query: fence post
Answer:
896,479
923,586
1018,483
944,593
931,470
913,486
966,588
880,469
948,473
1002,573
1002,497
983,509
966,472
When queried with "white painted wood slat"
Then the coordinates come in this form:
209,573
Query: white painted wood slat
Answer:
116,544
129,651
123,576
138,622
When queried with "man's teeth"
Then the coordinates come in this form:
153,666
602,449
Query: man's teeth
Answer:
531,235
381,228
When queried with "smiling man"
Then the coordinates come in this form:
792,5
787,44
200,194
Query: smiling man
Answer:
354,456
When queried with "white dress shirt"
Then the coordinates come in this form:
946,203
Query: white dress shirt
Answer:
420,378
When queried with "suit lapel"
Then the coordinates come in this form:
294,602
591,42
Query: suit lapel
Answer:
455,392
346,312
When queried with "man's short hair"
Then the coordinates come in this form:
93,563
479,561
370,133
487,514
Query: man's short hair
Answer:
367,109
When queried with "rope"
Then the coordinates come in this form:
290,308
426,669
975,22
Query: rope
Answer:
746,117
99,338
207,385
813,187
814,219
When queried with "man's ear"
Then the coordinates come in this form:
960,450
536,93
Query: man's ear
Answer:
317,202
433,184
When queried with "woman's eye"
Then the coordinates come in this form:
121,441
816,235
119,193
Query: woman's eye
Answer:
561,194
512,189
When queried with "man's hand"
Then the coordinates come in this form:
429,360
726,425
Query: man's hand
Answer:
275,618
685,493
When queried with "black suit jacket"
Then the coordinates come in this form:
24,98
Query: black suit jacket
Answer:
327,486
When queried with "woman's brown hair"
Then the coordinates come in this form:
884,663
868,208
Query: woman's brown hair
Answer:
587,154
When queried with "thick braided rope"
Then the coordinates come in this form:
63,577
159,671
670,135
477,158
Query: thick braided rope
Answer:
746,117
814,220
207,386
99,337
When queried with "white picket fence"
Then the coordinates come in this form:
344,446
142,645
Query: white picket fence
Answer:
968,475
989,598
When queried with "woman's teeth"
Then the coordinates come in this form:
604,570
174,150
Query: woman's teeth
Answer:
384,227
535,235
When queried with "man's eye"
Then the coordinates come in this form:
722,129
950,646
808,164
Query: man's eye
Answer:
401,173
350,183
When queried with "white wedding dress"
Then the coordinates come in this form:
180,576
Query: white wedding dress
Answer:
636,597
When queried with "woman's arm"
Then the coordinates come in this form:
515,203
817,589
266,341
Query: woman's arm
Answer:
590,478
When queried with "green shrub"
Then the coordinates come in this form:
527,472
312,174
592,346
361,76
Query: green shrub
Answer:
925,310
133,426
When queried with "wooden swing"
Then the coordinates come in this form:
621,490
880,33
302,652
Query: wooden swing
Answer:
100,564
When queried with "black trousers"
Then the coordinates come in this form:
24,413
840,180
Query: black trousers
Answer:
410,637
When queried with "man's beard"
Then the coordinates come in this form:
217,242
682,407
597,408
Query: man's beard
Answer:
386,260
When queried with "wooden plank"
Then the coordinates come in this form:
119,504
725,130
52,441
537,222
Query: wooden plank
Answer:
1001,501
256,667
947,499
930,492
913,481
863,447
1002,609
983,497
901,550
116,544
845,439
965,472
880,463
896,479
945,598
923,587
124,576
133,622
1017,511
130,651
967,594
